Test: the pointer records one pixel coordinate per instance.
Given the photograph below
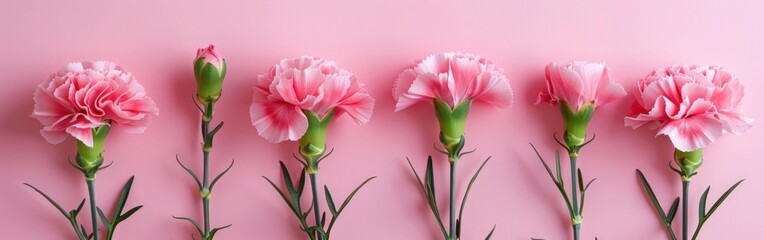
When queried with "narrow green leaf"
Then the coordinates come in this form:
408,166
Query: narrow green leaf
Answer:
301,184
653,199
702,204
664,219
196,179
192,221
55,204
490,233
104,220
548,170
79,207
287,178
672,210
215,230
330,201
433,208
458,228
418,179
716,205
559,185
559,169
345,204
284,197
216,129
722,198
429,177
122,199
580,181
323,219
129,213
221,174
469,187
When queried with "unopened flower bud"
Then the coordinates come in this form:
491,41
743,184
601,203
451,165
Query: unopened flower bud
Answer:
209,71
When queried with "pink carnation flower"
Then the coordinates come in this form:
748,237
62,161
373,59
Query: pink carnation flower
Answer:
85,95
579,83
693,105
305,84
452,78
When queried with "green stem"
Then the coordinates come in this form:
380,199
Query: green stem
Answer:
208,113
574,194
452,203
685,200
206,199
93,211
576,231
316,211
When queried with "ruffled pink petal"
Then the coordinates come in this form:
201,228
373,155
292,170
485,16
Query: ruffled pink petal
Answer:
693,133
425,88
84,135
735,123
492,89
278,121
608,91
567,85
333,89
403,83
654,115
359,107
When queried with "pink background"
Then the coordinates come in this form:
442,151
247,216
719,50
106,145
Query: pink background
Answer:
157,40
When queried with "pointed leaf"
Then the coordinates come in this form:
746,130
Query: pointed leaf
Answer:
216,129
215,230
221,174
129,213
429,178
104,220
330,201
702,204
287,178
559,170
469,187
491,233
192,221
55,204
301,184
284,197
433,208
548,170
345,204
672,210
722,198
653,199
196,179
716,205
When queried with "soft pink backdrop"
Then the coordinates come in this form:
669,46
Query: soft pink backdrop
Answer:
156,40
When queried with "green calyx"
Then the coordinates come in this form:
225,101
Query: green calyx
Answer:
688,162
209,80
313,143
452,122
576,123
91,158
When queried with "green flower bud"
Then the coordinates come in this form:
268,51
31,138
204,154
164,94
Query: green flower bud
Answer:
688,162
313,143
91,158
576,123
452,124
209,71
